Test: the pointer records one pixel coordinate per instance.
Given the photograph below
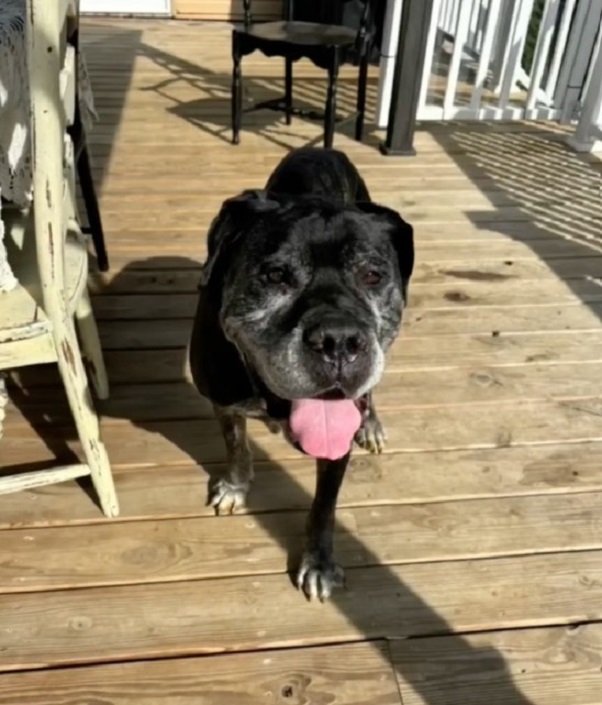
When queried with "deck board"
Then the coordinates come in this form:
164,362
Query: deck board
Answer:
434,323
135,622
198,549
478,530
461,427
339,675
179,491
169,491
552,666
401,389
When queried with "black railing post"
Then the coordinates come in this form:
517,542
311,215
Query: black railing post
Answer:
248,18
411,52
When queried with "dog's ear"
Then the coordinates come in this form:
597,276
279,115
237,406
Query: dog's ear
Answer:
401,233
236,216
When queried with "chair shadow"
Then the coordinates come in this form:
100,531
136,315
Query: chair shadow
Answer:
378,604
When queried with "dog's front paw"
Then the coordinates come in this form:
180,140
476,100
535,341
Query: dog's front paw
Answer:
226,497
318,577
371,435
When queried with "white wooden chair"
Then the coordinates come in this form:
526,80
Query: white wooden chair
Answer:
50,259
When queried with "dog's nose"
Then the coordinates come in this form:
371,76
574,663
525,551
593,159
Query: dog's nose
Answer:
338,341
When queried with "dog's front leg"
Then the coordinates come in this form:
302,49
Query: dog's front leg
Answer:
371,435
229,492
318,573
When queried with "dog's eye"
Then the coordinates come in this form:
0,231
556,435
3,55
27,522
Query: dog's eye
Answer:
275,275
371,277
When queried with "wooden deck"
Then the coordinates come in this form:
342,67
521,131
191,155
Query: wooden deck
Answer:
473,546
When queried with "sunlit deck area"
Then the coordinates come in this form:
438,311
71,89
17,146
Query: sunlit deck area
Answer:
472,546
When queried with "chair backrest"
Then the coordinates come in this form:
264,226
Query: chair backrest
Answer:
52,78
322,12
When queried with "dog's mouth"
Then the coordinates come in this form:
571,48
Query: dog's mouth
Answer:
324,426
333,394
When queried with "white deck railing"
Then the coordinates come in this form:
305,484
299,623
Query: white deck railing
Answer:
473,66
588,135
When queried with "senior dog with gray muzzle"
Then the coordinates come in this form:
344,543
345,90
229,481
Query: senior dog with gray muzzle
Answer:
300,297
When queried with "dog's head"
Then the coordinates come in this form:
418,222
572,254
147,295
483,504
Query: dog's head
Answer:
310,293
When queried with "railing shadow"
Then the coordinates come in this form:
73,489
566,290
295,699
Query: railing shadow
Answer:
550,195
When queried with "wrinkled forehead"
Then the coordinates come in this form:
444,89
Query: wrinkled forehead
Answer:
329,237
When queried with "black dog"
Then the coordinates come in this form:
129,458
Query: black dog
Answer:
301,295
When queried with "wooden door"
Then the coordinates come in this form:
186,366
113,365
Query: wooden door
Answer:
225,10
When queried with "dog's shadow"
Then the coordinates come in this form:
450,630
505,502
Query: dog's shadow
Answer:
377,605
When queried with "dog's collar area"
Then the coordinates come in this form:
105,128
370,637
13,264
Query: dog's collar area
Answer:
275,407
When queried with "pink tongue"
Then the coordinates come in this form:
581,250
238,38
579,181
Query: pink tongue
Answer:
324,429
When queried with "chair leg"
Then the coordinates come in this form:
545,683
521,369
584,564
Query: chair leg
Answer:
331,101
361,93
288,87
86,182
3,401
74,378
236,90
90,340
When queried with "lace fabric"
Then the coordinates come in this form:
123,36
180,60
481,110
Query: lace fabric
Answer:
15,144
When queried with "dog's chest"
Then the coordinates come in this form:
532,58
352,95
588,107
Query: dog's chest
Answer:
253,408
258,408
